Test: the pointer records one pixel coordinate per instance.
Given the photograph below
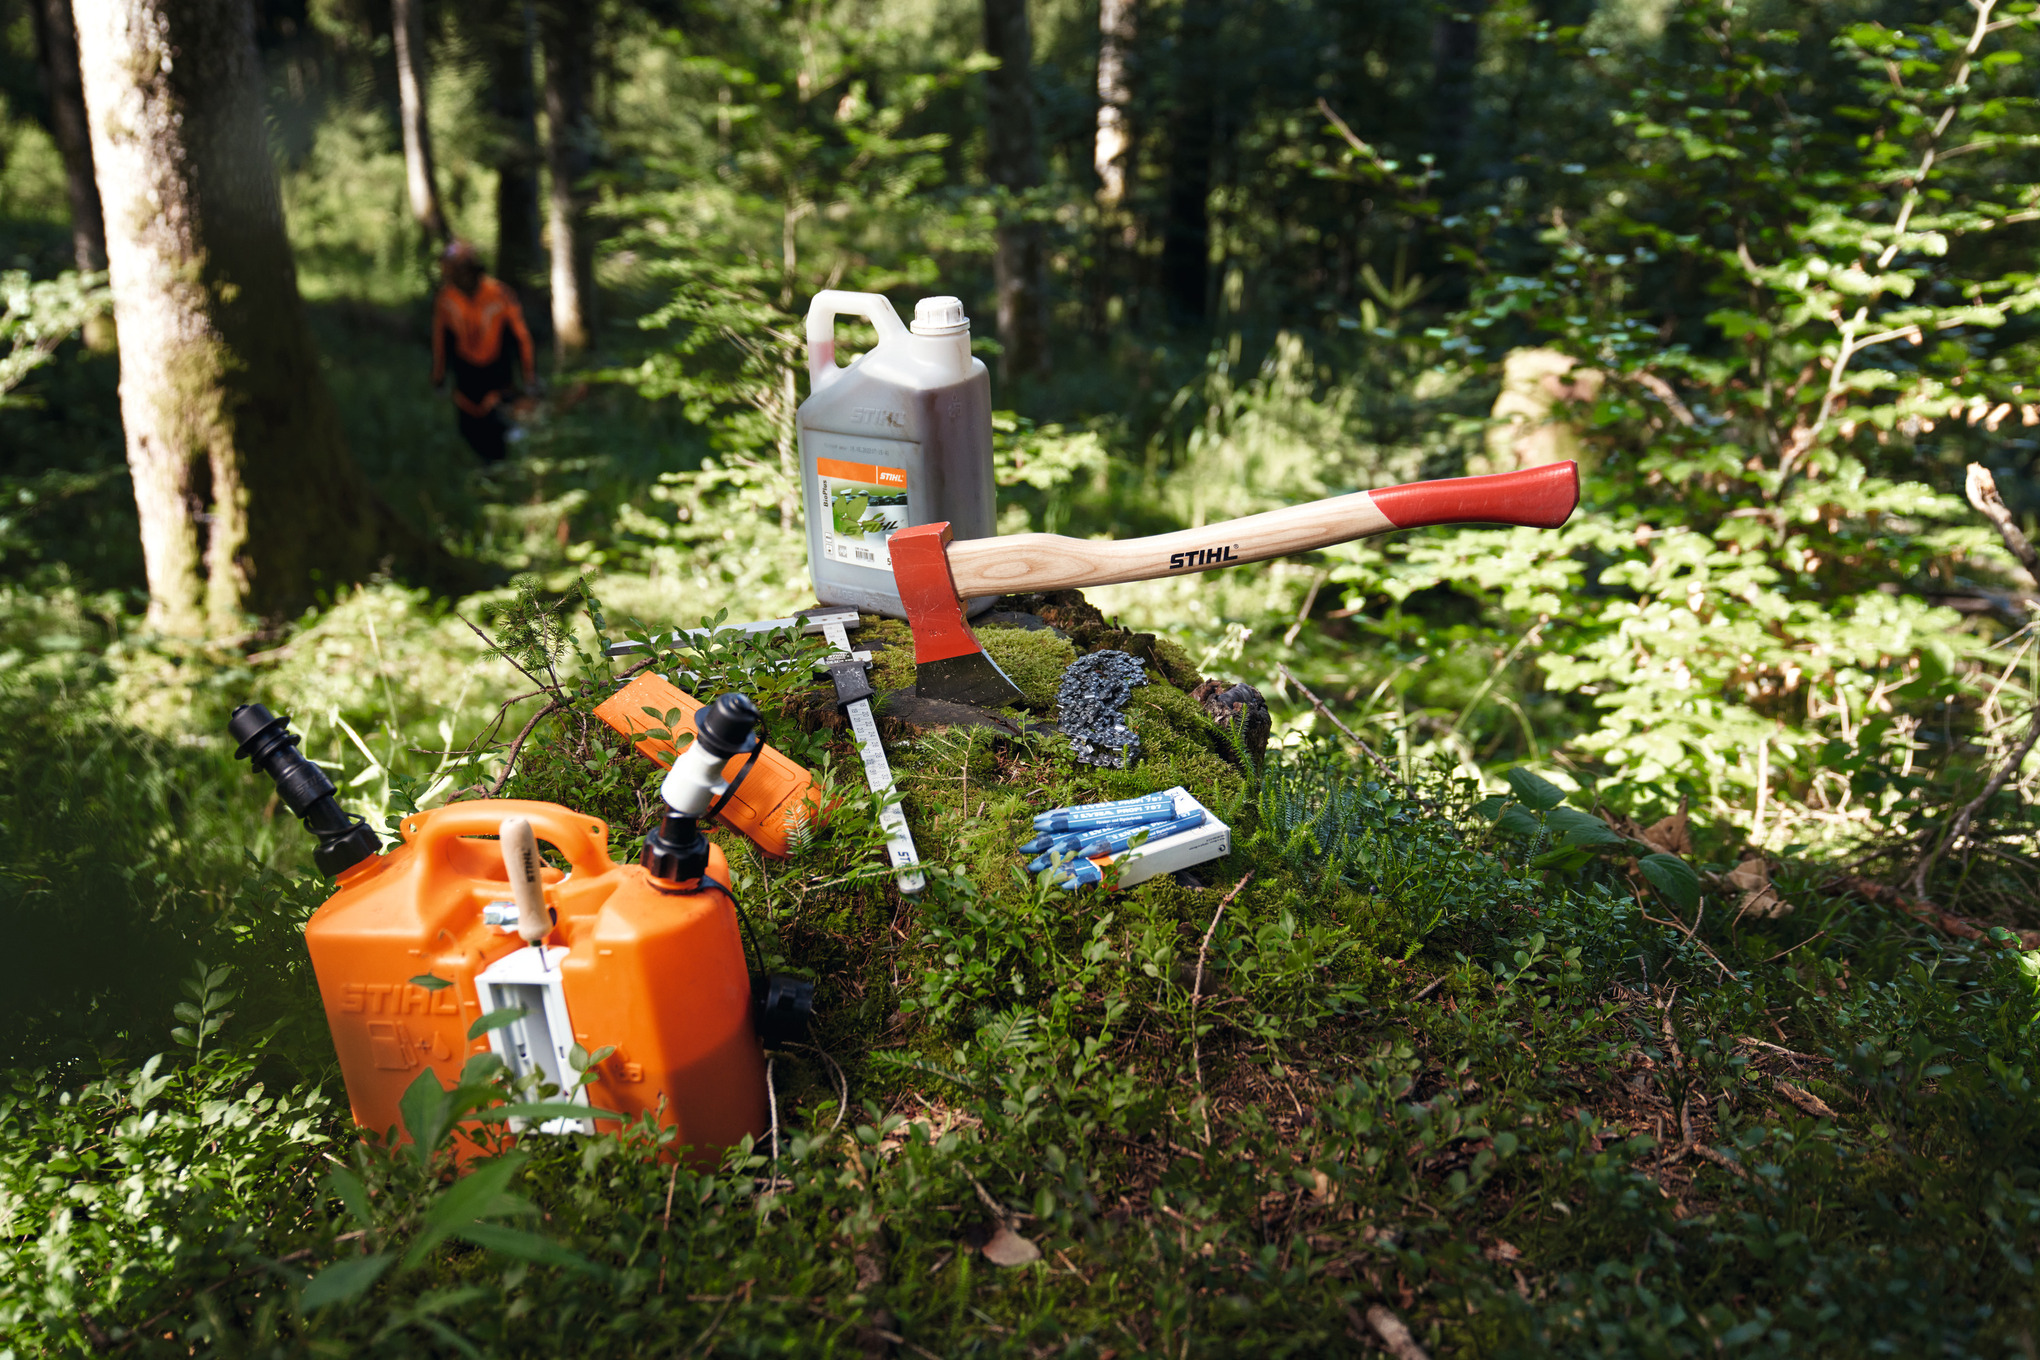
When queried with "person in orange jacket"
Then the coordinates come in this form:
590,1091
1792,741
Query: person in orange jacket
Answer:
478,326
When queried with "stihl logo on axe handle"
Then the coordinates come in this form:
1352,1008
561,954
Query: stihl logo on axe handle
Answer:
932,572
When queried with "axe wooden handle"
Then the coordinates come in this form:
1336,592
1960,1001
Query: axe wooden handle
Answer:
1537,498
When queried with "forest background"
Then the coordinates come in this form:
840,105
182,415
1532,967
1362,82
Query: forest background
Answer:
1765,269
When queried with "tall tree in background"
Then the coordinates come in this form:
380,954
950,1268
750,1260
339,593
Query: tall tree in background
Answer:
245,491
1455,53
1114,143
407,28
56,44
571,141
1193,143
511,34
1013,163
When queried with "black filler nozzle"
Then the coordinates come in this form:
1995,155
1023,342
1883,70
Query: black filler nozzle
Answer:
676,851
267,743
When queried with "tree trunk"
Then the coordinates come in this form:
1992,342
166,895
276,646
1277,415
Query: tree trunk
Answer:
56,41
519,248
1013,158
1186,221
407,26
571,142
1455,52
1109,155
246,494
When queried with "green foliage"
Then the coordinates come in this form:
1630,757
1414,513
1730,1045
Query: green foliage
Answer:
39,316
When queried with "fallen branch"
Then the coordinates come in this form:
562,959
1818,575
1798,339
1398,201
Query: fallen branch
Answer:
1884,895
1333,718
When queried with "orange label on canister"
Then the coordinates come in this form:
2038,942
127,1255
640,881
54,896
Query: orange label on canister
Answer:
870,473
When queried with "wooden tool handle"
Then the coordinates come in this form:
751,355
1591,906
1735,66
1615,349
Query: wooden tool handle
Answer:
1538,498
520,857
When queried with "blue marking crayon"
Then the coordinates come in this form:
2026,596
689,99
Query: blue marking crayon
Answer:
1120,840
1080,874
1051,841
1058,847
1156,807
1112,843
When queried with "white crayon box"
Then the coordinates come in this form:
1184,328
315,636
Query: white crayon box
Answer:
1211,841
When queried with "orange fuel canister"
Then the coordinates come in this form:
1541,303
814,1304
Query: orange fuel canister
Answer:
419,942
654,971
773,798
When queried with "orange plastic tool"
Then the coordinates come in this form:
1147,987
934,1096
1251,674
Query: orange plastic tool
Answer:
777,794
654,970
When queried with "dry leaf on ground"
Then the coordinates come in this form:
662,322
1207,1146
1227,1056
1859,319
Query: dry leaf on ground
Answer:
1008,1248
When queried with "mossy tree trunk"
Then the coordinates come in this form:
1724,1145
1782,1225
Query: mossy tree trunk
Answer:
1013,162
247,496
421,179
571,141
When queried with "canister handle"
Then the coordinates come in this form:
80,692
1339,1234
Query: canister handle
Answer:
822,312
584,840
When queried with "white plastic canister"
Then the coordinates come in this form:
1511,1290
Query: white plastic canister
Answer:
900,436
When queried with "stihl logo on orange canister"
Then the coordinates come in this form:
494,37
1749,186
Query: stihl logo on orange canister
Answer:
397,998
1203,557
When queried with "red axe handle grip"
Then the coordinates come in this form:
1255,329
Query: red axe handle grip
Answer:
1537,498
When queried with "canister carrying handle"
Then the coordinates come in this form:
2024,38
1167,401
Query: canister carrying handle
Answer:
584,840
822,312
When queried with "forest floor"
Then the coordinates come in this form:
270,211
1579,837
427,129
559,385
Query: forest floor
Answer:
1415,1068
1370,1082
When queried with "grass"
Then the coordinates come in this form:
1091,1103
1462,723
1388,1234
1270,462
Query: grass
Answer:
1511,1109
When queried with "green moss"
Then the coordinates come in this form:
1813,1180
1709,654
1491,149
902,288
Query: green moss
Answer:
1034,659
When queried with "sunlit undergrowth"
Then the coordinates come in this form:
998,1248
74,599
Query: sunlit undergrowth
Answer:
1397,1054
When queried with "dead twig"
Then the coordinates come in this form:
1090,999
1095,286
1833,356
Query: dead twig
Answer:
1333,718
1778,1049
1720,1159
552,706
1804,1099
1960,826
1683,929
1390,1330
1983,494
1433,985
1789,948
1197,995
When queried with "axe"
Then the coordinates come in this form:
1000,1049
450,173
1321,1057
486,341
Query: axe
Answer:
933,572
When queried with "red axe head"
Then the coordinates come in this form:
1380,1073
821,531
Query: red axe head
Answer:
948,662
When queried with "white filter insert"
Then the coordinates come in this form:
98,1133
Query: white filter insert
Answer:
542,1038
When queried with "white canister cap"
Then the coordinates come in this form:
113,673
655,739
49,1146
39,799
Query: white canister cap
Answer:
939,316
